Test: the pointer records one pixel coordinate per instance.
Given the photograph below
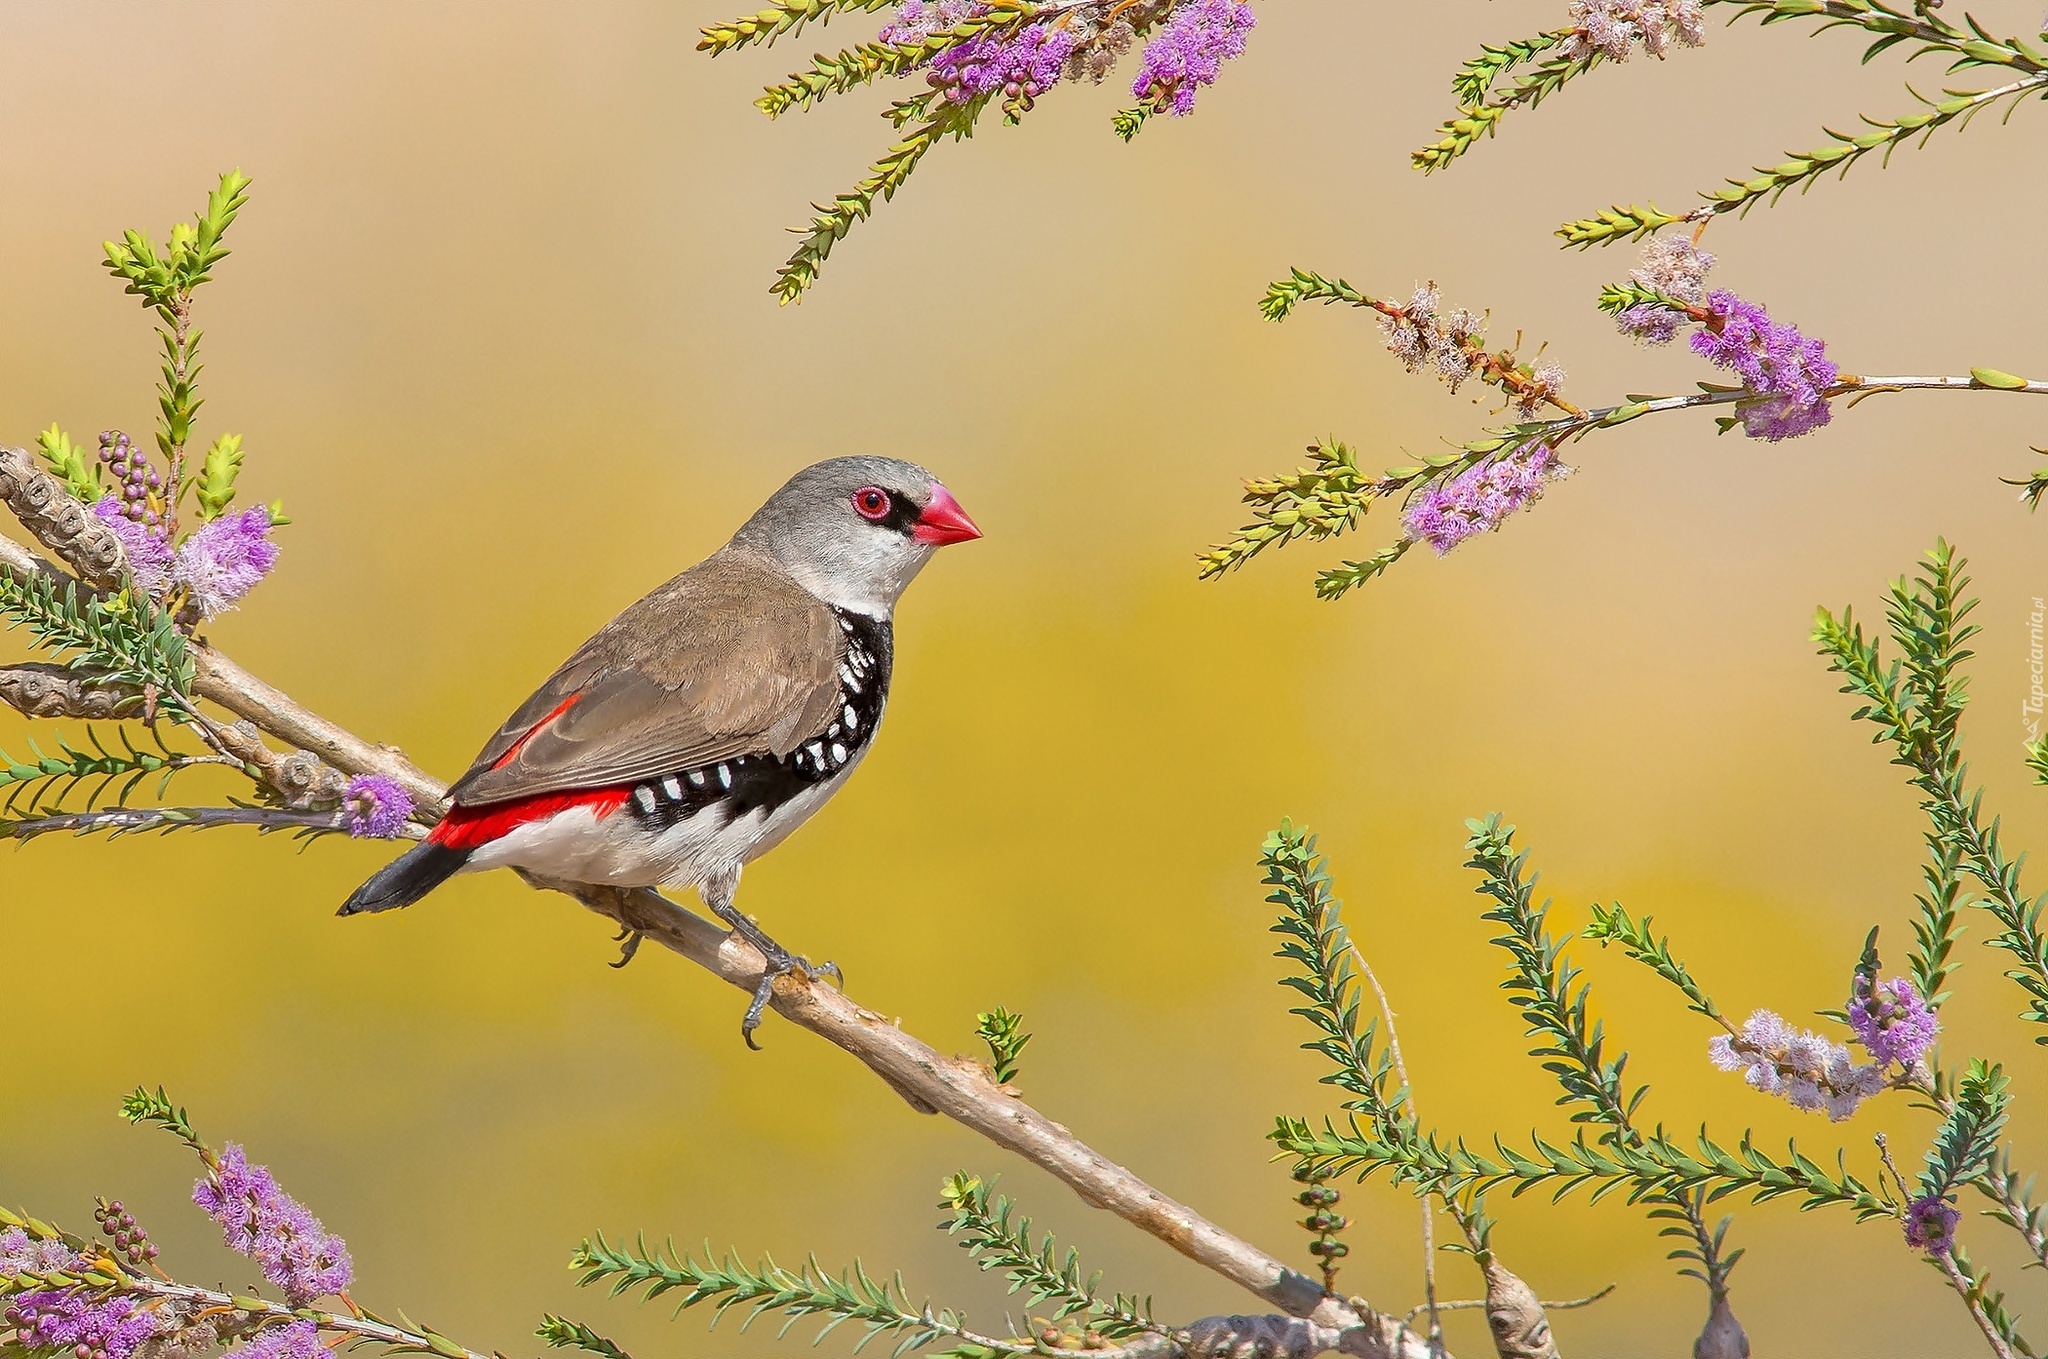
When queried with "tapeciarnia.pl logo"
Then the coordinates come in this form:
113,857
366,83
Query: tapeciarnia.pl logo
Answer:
2030,706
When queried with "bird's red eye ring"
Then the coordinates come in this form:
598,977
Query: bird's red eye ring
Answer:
871,502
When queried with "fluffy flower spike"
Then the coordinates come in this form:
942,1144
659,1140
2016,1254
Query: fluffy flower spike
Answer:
1893,1023
1803,1068
224,560
1477,499
1190,51
272,1228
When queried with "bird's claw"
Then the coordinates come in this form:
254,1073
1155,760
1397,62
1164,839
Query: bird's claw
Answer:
782,963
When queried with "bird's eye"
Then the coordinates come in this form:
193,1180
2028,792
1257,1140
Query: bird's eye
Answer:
872,502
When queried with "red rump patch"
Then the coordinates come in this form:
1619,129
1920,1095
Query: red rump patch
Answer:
472,827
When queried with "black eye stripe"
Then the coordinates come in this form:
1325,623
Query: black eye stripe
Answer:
901,516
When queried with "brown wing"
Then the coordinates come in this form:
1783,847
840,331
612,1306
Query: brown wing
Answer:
730,658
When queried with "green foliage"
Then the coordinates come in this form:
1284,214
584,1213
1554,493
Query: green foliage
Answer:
1544,986
1127,123
560,1333
1616,298
1613,925
782,19
140,1106
1659,1167
1631,223
1477,77
983,1219
166,280
886,176
1322,500
1005,1036
41,785
2033,486
1319,946
215,484
1968,1137
1937,928
879,1307
1344,577
1480,118
1979,1294
849,70
2037,758
1844,149
1916,703
80,470
1302,285
132,642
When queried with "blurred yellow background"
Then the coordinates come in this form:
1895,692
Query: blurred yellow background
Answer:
496,329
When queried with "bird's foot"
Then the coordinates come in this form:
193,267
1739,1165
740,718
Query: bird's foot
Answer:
629,940
779,962
782,963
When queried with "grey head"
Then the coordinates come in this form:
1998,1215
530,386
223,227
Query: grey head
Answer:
855,531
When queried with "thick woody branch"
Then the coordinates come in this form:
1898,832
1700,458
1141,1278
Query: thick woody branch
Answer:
959,1088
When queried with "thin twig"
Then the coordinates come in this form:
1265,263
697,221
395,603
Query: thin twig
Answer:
1473,1304
364,1326
1436,1327
123,820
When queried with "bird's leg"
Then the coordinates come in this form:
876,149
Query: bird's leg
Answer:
778,961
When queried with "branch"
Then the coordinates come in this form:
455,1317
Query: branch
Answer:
959,1088
126,820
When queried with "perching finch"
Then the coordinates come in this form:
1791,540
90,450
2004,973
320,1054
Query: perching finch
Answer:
701,726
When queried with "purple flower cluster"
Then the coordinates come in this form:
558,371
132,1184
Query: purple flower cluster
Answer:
1785,372
1477,499
1190,51
295,1340
1021,66
272,1228
149,556
1893,1023
1808,1071
103,1327
1931,1224
1612,28
377,807
225,559
21,1253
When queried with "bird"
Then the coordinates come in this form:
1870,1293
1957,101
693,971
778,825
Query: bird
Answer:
695,731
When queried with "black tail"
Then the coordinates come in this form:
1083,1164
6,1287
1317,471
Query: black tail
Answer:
407,878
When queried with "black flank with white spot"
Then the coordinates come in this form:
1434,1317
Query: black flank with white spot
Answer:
766,781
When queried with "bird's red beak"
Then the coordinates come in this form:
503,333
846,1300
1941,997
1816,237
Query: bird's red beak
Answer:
943,521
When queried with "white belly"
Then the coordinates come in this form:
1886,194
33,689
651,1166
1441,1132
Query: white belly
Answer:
619,850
